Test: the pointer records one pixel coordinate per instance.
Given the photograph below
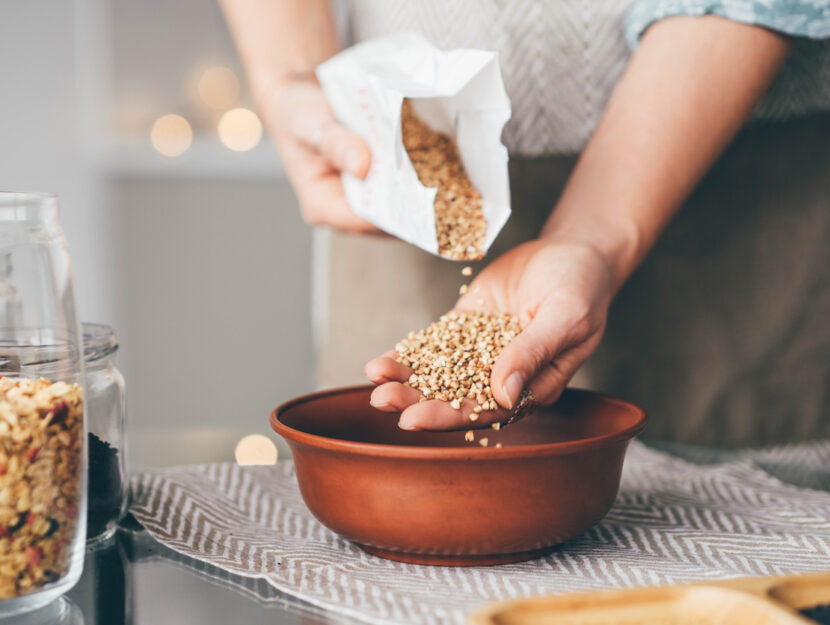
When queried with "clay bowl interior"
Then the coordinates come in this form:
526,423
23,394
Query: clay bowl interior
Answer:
433,498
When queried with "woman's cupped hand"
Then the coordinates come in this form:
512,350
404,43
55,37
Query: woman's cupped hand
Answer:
559,291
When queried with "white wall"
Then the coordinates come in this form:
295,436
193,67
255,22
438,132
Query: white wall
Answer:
200,263
217,326
40,146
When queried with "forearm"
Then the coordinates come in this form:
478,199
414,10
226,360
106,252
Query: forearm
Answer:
280,39
686,92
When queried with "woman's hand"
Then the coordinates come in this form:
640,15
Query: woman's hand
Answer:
279,44
559,291
315,150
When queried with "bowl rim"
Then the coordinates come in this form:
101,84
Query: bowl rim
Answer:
451,453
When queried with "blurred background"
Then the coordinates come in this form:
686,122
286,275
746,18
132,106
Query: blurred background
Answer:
184,233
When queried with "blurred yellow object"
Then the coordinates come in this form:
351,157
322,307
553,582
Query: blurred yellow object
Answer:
219,88
255,449
171,135
240,129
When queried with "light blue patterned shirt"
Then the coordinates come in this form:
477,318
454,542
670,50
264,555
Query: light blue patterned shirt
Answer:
803,86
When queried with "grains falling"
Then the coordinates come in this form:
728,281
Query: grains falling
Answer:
467,271
469,436
483,442
460,226
463,290
452,359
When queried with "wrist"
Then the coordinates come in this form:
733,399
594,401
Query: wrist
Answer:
617,241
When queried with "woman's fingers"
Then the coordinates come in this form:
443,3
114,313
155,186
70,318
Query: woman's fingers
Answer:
314,125
345,149
432,414
551,379
386,369
549,382
394,397
535,348
435,414
323,204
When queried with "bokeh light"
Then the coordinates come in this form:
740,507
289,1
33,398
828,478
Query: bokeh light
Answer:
240,129
218,88
255,449
171,135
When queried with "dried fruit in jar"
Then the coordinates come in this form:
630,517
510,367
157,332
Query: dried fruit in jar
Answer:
41,463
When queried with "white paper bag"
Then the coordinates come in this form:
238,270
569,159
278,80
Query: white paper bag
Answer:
457,92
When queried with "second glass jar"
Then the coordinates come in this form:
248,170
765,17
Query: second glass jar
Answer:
105,411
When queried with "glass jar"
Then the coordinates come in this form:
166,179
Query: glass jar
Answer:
42,424
105,413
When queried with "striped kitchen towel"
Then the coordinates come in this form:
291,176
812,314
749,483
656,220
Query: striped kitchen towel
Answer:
673,521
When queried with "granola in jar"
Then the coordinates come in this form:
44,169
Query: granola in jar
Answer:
41,473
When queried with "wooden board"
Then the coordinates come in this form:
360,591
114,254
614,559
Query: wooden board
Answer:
744,601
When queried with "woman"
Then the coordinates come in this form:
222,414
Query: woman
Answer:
720,333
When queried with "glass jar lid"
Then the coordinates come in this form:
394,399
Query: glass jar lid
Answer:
99,341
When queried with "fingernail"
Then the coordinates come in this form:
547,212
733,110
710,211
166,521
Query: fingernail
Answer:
513,388
406,426
379,405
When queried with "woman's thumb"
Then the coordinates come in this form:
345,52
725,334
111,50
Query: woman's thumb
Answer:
346,150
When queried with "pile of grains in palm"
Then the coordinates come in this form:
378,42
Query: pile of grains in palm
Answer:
460,226
452,359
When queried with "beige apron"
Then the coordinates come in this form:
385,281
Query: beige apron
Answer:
723,334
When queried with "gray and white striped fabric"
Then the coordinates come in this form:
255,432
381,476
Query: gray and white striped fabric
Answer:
674,521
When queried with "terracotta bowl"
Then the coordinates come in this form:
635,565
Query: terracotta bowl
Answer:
433,498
